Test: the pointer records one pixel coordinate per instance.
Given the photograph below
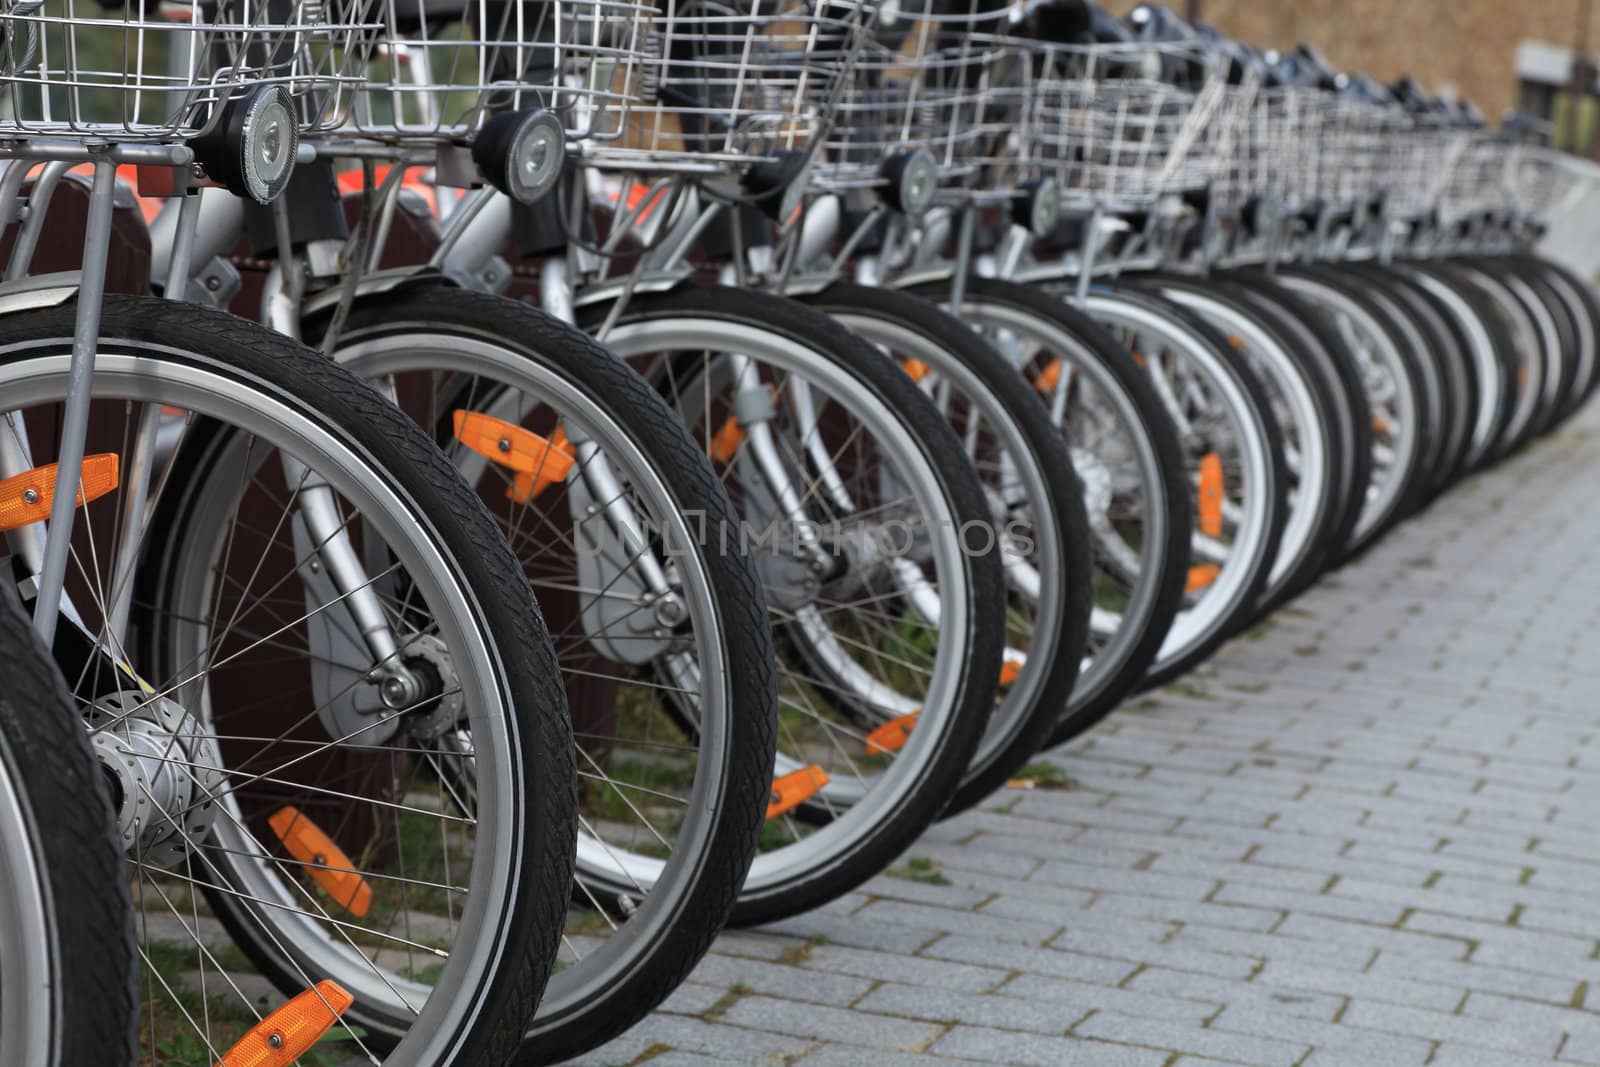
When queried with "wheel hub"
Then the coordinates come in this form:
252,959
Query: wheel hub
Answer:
165,773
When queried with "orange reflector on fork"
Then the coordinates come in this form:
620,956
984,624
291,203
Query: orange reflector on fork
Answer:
539,462
288,1033
328,865
791,790
1210,494
26,498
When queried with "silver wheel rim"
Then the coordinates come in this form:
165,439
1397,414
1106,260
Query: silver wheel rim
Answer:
661,885
871,803
297,940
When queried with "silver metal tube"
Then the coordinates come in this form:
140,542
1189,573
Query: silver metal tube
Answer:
44,190
217,223
181,251
80,391
136,473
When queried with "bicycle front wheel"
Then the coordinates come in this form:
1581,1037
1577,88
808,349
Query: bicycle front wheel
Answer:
275,656
856,503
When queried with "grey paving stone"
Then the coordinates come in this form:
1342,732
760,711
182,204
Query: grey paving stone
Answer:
856,1028
940,896
885,966
1292,975
675,1058
1581,1027
1054,962
696,1035
1379,913
993,928
1038,1050
1085,939
1308,1003
852,1056
1440,943
1519,1037
1261,947
943,1006
1474,976
1452,1055
1079,998
1374,1047
1106,879
833,930
1222,917
776,979
694,997
1240,1048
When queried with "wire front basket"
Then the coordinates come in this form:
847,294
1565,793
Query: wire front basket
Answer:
1545,184
443,68
726,85
139,72
950,84
1125,124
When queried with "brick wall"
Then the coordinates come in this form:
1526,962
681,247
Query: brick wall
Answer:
1470,44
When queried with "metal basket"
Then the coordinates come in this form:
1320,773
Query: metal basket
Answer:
1125,124
725,85
1478,178
442,68
951,84
159,72
1544,184
1227,143
1417,160
1350,141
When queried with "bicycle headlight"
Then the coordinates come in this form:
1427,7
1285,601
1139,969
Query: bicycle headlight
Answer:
270,142
251,147
912,179
1041,208
521,153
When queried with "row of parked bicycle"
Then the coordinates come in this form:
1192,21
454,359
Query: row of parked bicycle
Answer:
530,484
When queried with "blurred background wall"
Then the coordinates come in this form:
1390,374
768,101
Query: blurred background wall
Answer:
1498,53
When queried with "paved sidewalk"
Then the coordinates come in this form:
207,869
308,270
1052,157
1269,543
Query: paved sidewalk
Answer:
1368,833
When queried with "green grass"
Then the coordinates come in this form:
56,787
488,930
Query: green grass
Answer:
1046,775
919,869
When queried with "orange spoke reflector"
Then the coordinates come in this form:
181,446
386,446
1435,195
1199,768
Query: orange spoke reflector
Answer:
26,498
539,462
1010,671
333,871
1380,425
1211,495
1049,378
727,440
891,736
288,1033
915,368
1201,576
794,789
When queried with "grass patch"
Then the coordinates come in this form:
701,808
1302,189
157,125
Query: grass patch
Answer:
919,869
1046,775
